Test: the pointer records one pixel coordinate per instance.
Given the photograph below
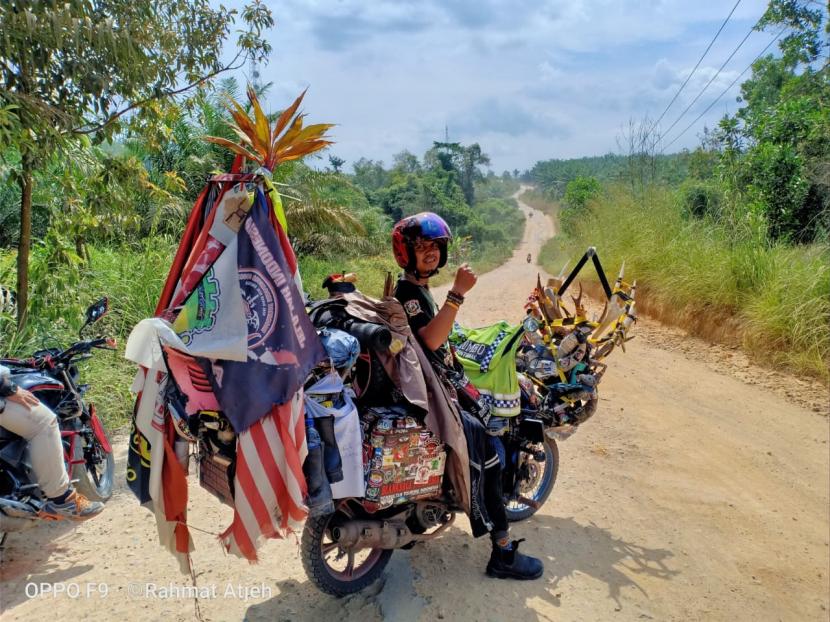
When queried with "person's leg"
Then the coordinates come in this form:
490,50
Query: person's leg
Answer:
493,498
505,560
39,426
488,512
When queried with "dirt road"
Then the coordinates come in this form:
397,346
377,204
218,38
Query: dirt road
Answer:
691,495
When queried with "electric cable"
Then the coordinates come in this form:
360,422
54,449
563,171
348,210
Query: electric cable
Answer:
700,60
725,91
712,79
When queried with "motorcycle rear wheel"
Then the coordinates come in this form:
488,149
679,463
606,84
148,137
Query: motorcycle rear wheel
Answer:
94,479
320,555
539,487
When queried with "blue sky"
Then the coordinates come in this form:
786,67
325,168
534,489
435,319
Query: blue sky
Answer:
526,79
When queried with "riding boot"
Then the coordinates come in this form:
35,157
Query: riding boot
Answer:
331,453
508,563
319,499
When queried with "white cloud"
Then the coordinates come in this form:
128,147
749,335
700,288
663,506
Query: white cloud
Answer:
527,80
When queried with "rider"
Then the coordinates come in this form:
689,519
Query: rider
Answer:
23,414
420,246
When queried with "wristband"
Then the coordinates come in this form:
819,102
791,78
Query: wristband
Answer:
455,297
452,304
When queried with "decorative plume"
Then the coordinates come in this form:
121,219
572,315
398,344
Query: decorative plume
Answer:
270,146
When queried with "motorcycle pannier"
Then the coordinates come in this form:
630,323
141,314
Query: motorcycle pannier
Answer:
402,459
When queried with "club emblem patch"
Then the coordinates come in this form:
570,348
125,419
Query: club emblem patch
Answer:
412,307
261,311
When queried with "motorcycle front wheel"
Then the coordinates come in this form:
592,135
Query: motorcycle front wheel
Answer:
537,486
95,474
332,569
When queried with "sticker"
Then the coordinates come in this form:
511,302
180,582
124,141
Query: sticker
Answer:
376,478
422,475
412,307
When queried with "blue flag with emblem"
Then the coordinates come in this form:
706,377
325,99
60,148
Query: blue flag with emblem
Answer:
282,343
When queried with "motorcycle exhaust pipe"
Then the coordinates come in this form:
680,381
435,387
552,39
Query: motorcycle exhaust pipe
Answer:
375,534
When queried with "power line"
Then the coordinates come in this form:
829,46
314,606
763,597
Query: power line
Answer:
712,79
725,91
700,60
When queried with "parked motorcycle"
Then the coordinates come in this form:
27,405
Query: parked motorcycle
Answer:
52,376
345,550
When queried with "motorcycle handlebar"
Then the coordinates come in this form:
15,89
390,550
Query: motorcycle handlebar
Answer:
78,348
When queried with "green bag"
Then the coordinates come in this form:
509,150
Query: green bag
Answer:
488,355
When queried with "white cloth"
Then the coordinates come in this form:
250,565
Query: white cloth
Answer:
346,432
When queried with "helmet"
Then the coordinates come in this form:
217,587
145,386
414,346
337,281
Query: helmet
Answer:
424,226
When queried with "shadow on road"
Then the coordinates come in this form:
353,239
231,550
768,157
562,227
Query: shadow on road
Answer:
571,548
449,576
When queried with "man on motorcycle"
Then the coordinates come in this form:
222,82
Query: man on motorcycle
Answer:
23,414
420,246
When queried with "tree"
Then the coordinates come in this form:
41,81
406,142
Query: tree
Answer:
581,190
369,175
461,161
775,149
471,158
83,68
406,163
336,163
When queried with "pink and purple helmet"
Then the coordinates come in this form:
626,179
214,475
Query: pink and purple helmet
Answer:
423,226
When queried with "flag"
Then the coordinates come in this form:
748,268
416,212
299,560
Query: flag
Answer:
283,345
241,342
211,323
269,486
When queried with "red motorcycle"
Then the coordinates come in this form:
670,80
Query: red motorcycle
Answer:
52,376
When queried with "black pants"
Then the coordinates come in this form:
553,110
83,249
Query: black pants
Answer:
488,513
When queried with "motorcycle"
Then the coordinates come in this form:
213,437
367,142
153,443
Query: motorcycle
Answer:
52,376
345,550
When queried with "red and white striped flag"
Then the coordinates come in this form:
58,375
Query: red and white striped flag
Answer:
269,486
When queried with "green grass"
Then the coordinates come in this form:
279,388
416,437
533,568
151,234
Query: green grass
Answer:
779,294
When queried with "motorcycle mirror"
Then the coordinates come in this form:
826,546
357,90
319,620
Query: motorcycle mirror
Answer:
95,312
530,324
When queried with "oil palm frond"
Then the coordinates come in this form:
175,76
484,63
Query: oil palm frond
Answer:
272,142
